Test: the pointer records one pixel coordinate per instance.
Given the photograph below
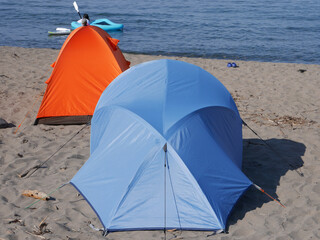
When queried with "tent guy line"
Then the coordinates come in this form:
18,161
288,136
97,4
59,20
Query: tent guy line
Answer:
36,99
36,167
272,149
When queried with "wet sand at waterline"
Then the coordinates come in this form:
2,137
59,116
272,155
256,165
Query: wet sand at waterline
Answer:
279,101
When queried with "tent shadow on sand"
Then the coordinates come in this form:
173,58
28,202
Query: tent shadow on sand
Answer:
265,166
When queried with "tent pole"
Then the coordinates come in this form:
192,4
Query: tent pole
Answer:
165,191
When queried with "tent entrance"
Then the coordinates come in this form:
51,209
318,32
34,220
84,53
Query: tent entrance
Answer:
64,120
163,195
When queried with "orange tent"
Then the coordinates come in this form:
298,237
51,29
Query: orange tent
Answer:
88,61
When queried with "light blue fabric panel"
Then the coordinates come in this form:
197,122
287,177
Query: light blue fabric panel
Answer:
143,203
140,89
207,152
126,144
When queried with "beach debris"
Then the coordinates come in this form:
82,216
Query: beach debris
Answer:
15,55
236,97
42,228
36,194
175,234
216,232
4,76
289,120
63,168
26,172
20,155
16,220
47,129
39,236
95,228
302,70
38,231
5,124
276,120
46,196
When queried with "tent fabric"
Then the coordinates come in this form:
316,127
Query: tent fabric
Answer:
166,151
87,62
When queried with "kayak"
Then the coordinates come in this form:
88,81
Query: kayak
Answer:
60,31
103,23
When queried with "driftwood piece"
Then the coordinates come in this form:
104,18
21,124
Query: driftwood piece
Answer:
26,172
39,236
177,238
42,228
38,231
36,194
16,220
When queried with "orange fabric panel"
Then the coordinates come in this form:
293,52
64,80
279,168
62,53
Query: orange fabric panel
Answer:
88,61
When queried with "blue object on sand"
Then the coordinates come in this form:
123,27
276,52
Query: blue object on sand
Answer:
103,23
234,65
229,65
165,151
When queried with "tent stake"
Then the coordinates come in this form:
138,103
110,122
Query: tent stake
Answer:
261,190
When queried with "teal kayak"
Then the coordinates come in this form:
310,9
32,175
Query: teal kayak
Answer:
103,23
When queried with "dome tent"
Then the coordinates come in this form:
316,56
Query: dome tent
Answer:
166,151
88,61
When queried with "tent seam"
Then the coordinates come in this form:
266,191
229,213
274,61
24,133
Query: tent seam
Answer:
194,182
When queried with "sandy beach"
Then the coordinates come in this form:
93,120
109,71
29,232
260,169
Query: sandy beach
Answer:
279,101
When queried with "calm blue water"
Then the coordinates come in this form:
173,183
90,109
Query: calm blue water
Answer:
268,30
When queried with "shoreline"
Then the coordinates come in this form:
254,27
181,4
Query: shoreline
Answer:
181,56
278,101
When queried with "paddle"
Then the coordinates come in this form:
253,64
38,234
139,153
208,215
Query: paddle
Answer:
76,8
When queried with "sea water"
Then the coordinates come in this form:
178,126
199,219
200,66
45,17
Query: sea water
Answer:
268,30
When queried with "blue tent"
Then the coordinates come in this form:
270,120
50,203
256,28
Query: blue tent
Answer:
166,151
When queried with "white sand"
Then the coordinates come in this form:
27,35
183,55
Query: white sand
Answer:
280,103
